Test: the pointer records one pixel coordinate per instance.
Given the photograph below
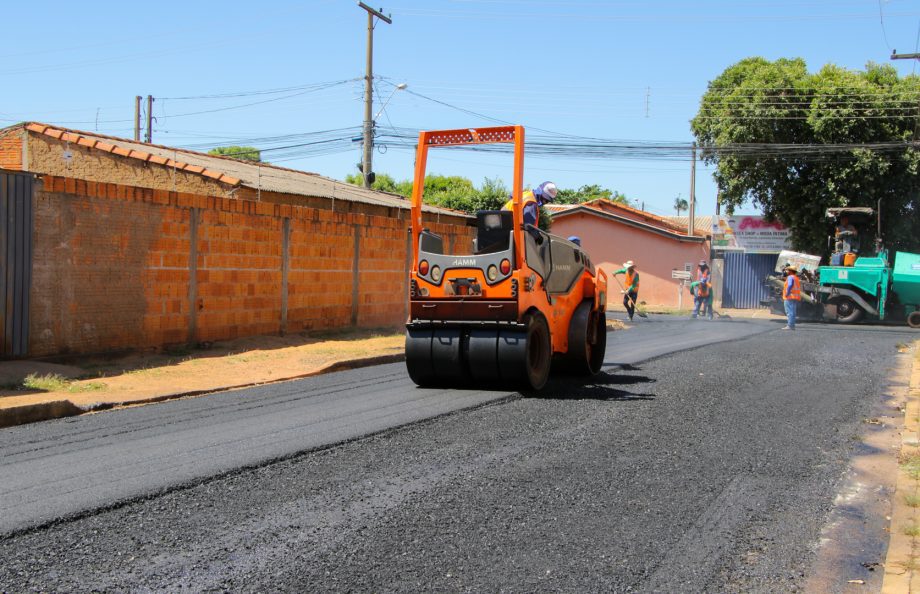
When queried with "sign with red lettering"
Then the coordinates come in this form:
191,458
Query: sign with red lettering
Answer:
751,234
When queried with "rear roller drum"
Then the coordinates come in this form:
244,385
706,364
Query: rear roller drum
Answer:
587,340
524,357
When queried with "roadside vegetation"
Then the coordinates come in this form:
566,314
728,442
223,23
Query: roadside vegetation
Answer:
58,383
459,193
795,143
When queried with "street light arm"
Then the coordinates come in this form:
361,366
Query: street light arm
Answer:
398,87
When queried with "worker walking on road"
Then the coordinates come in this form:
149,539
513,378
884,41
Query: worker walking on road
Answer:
631,292
702,291
532,200
792,294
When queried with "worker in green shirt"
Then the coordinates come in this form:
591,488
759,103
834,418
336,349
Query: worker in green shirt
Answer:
631,293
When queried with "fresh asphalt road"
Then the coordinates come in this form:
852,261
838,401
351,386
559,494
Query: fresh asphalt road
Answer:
676,469
61,468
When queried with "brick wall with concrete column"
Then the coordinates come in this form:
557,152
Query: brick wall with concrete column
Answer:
120,267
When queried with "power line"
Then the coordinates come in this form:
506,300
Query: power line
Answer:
305,87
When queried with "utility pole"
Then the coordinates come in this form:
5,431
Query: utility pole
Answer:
692,224
366,161
137,118
149,137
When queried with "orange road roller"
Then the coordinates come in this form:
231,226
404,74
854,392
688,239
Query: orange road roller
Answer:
519,302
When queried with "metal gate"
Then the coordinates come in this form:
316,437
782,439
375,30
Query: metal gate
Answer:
16,261
743,279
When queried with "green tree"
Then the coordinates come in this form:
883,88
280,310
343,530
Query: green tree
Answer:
681,204
459,193
588,192
757,102
382,183
244,153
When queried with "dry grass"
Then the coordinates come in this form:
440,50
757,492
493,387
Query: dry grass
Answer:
57,383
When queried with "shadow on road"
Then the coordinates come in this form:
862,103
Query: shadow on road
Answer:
599,387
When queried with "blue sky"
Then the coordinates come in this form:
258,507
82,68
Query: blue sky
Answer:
612,69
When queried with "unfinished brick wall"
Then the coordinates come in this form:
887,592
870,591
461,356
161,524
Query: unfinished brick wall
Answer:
64,159
11,149
123,267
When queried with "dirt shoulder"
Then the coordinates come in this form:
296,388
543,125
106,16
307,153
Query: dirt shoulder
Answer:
902,565
28,389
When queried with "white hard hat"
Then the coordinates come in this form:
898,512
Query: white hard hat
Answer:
549,188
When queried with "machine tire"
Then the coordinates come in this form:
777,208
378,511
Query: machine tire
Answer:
848,312
524,357
913,319
583,357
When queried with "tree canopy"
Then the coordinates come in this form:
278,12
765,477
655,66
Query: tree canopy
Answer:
873,113
589,192
459,193
681,204
245,153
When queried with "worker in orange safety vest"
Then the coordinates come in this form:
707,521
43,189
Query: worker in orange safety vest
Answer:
631,291
702,291
792,294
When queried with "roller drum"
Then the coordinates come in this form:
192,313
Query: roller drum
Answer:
482,355
587,341
446,356
524,357
418,356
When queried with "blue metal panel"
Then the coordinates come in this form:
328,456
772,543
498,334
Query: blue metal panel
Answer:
743,279
16,259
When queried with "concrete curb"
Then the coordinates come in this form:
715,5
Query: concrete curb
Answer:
46,411
902,567
33,413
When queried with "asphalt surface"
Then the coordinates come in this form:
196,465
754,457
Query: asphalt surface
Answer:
710,469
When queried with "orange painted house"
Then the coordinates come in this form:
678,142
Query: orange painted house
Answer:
612,233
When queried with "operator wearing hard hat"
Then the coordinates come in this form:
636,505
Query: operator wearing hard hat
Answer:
532,200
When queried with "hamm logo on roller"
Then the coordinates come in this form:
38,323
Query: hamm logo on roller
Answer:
464,262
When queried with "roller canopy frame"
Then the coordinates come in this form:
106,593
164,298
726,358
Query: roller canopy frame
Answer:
462,137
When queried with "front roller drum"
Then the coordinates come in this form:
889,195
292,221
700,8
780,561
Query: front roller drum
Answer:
482,355
418,356
452,357
434,356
